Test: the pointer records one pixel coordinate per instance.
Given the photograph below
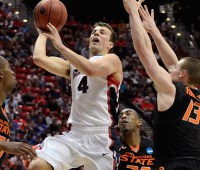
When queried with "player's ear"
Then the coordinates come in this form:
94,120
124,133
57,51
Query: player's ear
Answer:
111,45
1,75
183,73
139,122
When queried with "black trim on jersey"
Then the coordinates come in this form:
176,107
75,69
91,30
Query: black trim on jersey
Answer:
113,104
116,141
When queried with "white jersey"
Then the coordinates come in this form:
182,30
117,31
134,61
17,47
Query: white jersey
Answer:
94,99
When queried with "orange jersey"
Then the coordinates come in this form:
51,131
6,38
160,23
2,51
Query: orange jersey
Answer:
4,131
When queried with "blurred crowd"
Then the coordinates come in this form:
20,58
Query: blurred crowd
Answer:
40,103
187,12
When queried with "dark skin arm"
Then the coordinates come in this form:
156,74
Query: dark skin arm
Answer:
18,148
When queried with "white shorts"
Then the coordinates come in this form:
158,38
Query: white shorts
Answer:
81,146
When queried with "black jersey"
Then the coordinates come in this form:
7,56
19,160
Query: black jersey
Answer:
137,158
4,131
177,130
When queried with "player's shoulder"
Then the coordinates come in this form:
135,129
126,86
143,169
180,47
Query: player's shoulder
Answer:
123,146
146,145
111,55
179,84
146,141
180,88
107,56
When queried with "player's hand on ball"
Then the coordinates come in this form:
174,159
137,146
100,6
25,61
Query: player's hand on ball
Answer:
54,36
38,30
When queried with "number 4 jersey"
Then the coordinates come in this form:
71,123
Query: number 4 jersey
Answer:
139,157
94,99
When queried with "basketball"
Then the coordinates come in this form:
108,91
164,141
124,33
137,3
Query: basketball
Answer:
50,11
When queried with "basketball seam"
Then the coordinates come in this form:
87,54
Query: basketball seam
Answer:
50,12
38,8
60,15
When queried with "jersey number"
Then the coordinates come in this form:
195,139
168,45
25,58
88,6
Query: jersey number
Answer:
2,139
83,85
187,116
137,168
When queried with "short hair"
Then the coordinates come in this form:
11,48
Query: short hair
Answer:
113,37
3,62
192,66
129,110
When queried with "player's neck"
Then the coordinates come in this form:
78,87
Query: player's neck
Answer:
1,100
133,139
97,54
2,97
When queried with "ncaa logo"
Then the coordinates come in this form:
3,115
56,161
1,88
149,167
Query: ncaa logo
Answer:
149,150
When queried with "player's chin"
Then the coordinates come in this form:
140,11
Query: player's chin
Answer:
13,88
94,48
94,44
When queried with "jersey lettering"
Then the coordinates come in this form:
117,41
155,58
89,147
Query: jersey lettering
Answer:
143,160
2,139
189,92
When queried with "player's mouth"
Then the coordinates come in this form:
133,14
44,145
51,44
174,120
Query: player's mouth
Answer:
124,122
95,40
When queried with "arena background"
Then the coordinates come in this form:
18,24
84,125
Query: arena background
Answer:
112,9
187,11
179,22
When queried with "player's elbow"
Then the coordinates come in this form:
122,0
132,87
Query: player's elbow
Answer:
37,59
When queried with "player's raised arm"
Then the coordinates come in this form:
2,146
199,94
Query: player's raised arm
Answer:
52,64
143,47
167,55
107,65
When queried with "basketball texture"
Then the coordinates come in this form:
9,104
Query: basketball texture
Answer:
50,11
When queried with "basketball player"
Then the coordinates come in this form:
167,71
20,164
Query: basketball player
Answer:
136,151
95,84
7,83
176,123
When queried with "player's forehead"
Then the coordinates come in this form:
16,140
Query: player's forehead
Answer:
128,112
102,29
3,63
